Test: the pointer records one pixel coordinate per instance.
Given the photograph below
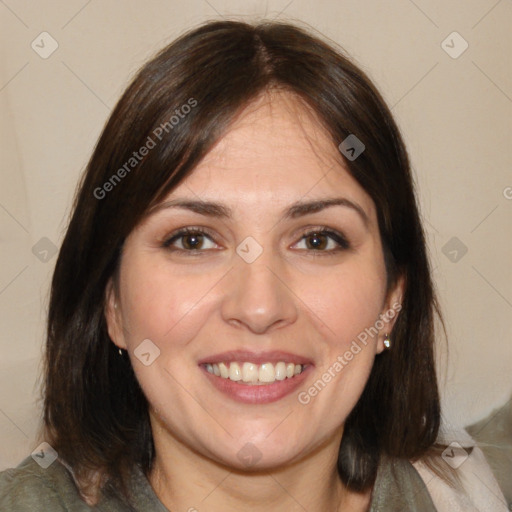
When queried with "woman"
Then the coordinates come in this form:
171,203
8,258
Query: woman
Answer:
242,312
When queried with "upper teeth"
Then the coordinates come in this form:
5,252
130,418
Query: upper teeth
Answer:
254,373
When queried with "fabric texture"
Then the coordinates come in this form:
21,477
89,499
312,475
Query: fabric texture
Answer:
30,488
399,487
479,492
493,436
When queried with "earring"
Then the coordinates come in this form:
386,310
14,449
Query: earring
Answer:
387,341
120,352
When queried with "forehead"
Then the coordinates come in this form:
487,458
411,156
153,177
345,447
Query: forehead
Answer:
277,151
274,126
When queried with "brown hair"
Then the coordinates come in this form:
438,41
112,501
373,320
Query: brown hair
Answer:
95,414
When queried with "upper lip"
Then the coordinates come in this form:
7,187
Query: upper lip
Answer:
273,356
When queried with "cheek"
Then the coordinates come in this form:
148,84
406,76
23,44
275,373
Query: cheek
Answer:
168,308
348,353
346,310
159,301
346,301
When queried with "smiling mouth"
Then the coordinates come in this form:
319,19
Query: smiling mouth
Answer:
247,373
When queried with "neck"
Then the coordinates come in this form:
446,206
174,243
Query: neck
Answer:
186,480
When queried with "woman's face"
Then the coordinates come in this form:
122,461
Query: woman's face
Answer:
218,323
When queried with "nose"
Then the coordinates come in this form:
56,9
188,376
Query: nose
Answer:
258,297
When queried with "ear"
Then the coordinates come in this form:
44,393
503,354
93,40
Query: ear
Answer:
390,311
113,316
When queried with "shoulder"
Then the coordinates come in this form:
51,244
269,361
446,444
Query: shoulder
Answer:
399,486
493,436
29,487
416,487
475,489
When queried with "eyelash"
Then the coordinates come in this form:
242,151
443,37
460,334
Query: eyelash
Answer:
338,238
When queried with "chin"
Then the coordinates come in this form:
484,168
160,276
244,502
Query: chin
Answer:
266,450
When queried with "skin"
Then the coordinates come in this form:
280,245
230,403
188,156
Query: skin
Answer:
294,297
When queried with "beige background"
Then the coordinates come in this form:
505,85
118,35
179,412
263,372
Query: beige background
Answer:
455,114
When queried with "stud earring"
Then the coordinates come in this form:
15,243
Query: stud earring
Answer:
120,352
387,341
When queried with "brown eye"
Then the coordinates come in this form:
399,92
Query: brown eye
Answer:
316,241
324,241
189,240
192,241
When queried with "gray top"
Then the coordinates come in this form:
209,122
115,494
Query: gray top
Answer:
30,488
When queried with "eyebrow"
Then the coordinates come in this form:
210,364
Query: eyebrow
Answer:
296,210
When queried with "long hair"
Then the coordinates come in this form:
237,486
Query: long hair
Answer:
95,414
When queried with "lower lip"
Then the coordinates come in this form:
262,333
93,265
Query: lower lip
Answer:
257,394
